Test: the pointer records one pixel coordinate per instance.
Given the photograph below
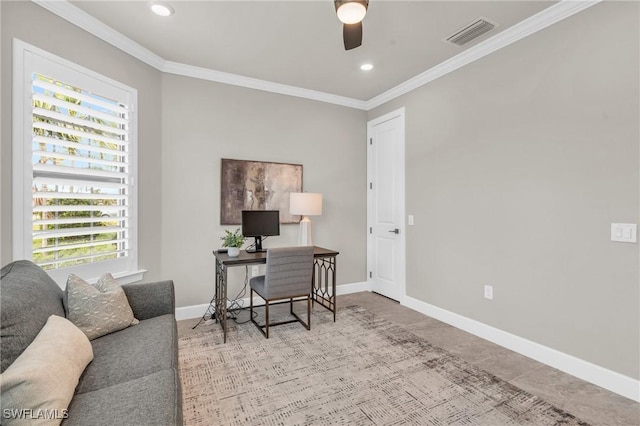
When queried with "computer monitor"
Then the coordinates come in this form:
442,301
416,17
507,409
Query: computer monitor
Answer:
260,223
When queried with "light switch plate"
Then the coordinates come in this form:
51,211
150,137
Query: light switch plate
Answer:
488,292
624,232
410,219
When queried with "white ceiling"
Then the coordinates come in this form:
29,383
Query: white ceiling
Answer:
299,43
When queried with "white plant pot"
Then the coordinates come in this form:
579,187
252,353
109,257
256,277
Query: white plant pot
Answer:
233,252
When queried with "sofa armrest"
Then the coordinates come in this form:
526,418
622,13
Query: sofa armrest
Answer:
150,300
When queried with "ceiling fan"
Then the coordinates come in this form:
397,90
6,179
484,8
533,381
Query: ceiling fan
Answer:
351,13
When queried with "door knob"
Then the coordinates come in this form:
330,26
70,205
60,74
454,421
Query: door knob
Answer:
395,231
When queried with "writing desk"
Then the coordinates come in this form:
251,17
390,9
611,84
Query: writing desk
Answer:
323,282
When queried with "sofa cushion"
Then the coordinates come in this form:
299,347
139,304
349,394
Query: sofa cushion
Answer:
45,375
154,399
131,353
29,297
98,309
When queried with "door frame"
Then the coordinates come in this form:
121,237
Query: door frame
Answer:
398,113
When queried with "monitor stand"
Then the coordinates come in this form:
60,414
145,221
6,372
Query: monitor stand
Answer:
258,245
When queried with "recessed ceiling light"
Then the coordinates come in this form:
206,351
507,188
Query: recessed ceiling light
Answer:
161,8
366,67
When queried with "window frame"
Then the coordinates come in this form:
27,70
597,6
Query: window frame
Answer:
28,59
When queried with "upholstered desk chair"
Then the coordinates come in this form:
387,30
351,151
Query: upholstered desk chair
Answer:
288,275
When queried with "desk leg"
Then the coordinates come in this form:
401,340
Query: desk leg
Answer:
324,283
221,298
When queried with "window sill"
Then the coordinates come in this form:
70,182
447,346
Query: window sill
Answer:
126,277
130,276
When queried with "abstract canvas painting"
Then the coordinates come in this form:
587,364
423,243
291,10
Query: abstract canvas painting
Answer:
257,185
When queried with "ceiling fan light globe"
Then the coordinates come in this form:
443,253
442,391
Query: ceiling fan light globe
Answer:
351,12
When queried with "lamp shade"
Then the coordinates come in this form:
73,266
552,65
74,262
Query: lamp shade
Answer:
305,203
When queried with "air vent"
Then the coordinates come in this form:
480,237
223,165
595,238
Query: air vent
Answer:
471,32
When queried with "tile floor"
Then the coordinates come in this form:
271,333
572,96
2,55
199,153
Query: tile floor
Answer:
584,400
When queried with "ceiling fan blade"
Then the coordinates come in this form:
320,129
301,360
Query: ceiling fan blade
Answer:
352,34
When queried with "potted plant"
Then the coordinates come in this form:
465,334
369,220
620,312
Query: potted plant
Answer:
232,240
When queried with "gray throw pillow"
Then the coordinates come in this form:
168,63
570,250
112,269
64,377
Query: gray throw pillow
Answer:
100,309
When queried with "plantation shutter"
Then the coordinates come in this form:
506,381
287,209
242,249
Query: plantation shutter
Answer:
81,175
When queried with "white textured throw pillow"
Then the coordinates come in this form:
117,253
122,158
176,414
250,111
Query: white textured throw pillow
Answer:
100,309
37,388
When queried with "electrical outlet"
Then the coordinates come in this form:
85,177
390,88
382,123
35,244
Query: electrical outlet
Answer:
488,292
255,270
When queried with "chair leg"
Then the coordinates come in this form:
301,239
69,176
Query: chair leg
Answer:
264,329
306,325
251,304
266,314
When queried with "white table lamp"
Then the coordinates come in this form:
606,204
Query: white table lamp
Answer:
305,204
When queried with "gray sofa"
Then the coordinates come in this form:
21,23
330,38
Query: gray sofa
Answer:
133,378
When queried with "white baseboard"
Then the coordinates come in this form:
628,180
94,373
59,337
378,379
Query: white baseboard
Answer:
197,311
608,379
352,288
592,373
190,312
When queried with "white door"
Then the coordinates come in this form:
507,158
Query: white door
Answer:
385,217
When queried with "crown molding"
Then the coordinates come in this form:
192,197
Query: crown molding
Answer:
531,25
254,83
549,16
82,19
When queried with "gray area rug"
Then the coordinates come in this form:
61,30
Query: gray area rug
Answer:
360,370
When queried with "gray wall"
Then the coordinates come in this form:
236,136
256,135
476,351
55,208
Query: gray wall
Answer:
517,164
1,162
185,127
203,122
34,25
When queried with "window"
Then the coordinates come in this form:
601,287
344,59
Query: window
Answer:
74,168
